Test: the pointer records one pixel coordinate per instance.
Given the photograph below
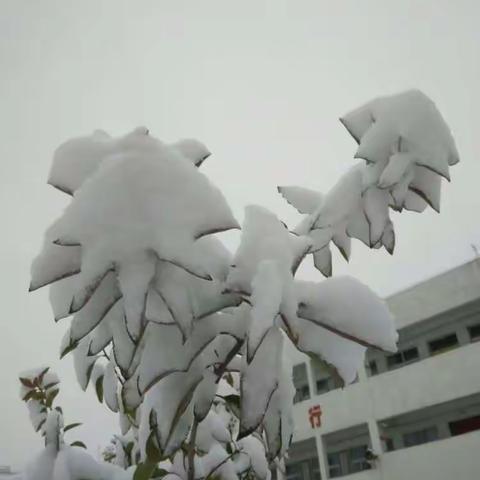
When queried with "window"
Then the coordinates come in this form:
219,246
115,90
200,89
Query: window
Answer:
301,394
388,444
304,470
356,459
474,331
335,465
420,436
348,461
301,383
465,425
294,471
443,344
403,357
314,469
322,386
372,368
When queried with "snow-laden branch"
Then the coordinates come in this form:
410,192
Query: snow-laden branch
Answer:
162,313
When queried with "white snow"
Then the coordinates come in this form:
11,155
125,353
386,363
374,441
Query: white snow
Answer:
134,259
264,237
364,316
266,299
260,380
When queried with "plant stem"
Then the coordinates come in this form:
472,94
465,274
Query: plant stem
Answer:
191,451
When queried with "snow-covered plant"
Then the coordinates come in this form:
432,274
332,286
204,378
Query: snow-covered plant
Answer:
164,317
59,460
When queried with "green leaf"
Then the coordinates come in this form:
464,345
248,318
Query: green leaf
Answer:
40,425
160,472
78,443
144,471
70,426
51,397
42,374
151,449
71,346
26,382
33,394
99,388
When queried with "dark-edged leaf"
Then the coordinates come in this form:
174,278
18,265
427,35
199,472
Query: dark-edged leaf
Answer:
144,471
78,443
70,426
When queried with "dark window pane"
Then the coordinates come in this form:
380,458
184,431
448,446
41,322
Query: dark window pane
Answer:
301,383
314,469
294,471
356,459
389,446
410,354
394,360
420,436
443,343
335,465
322,386
474,332
372,368
465,425
402,357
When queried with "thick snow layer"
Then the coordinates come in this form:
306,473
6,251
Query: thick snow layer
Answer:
133,259
266,299
119,212
344,355
54,263
278,421
168,411
192,149
103,299
83,363
110,387
178,378
61,295
165,351
264,237
53,430
211,431
411,116
407,147
255,450
306,201
364,317
78,159
218,463
342,199
37,413
260,380
71,463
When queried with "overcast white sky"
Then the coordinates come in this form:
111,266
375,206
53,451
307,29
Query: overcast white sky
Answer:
262,83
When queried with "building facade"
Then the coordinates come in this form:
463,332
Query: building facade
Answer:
410,415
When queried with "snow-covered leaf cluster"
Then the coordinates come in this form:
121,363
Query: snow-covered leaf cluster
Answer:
59,460
185,341
406,148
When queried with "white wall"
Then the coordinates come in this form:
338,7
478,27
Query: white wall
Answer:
455,458
437,295
431,381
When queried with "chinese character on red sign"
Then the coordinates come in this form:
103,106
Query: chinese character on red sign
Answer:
314,415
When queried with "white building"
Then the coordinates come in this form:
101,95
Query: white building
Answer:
418,411
6,473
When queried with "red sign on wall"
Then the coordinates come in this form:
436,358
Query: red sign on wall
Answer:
314,415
